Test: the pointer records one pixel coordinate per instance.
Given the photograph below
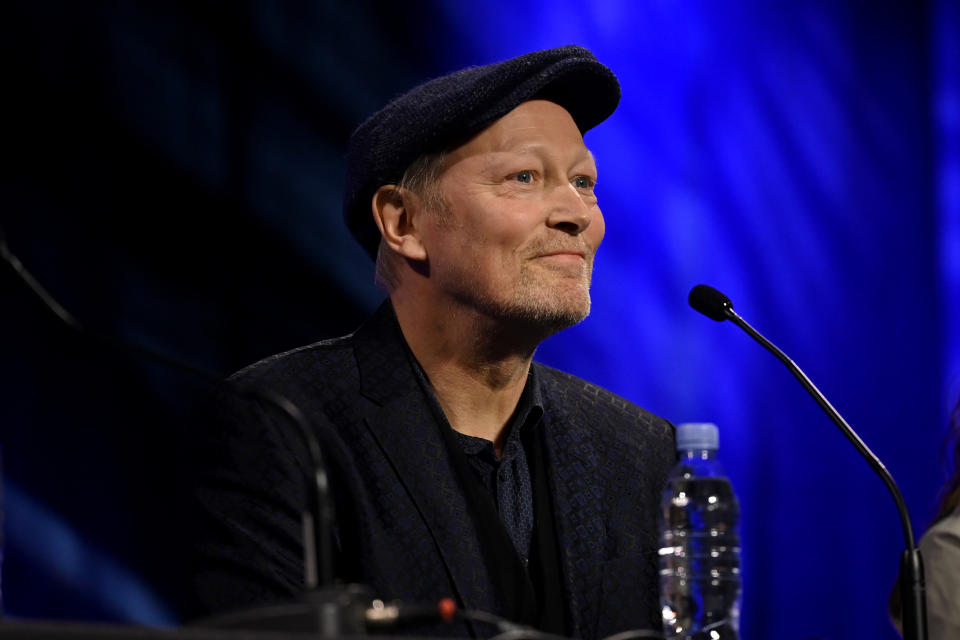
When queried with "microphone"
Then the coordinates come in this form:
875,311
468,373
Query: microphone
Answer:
717,306
317,516
710,302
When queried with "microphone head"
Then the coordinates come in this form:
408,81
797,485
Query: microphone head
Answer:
710,302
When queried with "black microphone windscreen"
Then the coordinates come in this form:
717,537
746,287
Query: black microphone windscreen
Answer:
710,302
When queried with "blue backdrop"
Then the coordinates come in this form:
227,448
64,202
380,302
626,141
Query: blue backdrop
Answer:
803,159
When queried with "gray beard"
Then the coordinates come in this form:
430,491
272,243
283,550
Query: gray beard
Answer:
538,306
548,320
535,316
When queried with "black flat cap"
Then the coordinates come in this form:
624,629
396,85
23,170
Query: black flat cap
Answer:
449,110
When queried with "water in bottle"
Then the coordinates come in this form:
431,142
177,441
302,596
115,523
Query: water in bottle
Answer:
699,542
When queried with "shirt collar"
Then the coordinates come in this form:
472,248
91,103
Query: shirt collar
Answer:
526,416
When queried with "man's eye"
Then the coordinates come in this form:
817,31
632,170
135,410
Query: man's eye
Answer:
583,182
525,177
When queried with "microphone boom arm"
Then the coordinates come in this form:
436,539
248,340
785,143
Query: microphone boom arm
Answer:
834,415
717,306
317,518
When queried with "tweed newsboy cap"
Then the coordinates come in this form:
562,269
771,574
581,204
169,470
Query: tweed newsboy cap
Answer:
449,110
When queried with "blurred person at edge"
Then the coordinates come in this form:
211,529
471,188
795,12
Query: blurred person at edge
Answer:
940,549
459,467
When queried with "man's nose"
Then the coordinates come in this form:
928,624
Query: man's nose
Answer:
570,211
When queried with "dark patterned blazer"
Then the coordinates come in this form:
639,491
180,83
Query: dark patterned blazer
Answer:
404,525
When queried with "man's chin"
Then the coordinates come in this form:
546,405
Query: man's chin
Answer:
537,312
548,319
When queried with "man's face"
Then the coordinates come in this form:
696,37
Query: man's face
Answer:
521,224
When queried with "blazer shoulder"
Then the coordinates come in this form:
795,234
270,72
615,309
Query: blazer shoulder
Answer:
591,405
326,358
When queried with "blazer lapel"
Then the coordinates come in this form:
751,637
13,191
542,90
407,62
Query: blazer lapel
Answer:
578,499
404,425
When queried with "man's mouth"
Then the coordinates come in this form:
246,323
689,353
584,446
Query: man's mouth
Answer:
563,253
571,262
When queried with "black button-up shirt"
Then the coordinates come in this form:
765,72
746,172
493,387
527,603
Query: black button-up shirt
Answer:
507,479
523,554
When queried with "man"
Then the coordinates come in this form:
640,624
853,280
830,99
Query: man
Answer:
459,467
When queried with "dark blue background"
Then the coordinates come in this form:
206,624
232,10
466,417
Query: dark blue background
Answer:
172,172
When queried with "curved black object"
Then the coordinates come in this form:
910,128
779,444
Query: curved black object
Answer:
710,302
717,306
317,515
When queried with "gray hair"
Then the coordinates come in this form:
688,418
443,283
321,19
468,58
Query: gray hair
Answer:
422,177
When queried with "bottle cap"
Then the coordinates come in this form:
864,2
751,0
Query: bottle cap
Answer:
697,435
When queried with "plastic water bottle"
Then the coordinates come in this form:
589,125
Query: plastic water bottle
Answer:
699,542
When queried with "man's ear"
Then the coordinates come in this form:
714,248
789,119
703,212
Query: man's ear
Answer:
394,211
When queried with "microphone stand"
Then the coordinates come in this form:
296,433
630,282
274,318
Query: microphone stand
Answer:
324,608
912,589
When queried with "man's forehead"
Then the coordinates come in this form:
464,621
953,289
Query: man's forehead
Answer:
535,127
574,156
